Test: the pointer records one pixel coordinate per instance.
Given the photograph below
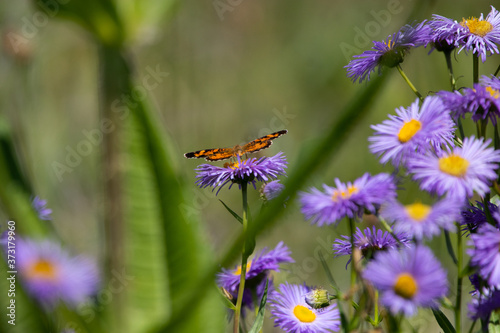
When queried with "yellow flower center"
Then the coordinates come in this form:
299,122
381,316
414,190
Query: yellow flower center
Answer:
237,271
453,165
477,27
409,129
232,165
493,92
304,314
42,269
344,194
405,285
418,211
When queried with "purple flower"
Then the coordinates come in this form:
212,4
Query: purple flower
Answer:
414,129
388,53
455,102
420,220
483,304
50,274
445,33
484,100
257,272
347,199
293,315
407,279
251,170
371,241
271,190
477,34
485,254
40,207
481,35
458,171
474,216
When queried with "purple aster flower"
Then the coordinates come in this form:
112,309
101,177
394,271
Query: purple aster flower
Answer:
481,35
484,100
388,53
347,199
414,129
445,32
420,220
250,170
369,242
271,190
477,34
485,254
455,102
407,279
474,216
483,304
258,271
458,171
293,315
40,207
50,274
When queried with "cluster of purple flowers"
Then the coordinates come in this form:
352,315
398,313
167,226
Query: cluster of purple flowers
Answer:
479,35
421,143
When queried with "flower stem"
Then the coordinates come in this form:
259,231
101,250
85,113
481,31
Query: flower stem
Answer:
353,268
447,55
475,69
244,258
412,87
458,302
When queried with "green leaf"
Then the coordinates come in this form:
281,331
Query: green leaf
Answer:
259,320
494,324
443,321
236,216
230,305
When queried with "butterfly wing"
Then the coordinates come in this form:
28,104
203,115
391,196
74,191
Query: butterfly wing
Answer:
214,154
263,142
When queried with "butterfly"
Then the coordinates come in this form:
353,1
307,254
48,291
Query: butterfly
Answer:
217,154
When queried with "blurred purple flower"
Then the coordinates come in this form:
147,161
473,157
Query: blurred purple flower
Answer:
407,279
40,207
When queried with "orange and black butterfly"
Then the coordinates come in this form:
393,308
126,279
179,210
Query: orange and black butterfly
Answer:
217,154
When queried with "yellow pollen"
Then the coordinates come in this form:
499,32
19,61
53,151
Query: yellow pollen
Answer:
405,285
42,269
493,92
304,314
453,165
344,194
237,271
418,211
389,44
409,129
477,27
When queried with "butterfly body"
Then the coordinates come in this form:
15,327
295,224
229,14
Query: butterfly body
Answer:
217,154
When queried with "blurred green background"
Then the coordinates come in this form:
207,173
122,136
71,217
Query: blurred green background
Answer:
237,69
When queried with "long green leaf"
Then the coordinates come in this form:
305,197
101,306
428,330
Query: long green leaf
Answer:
259,320
232,212
443,321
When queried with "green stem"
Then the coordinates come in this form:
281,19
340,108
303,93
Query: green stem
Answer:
475,69
353,269
447,55
412,87
498,70
244,258
458,302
